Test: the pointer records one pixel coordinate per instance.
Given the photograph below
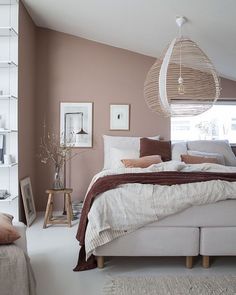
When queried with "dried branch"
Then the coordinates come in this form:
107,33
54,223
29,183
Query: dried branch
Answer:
52,150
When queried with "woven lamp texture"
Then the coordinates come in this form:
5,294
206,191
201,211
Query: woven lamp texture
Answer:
200,80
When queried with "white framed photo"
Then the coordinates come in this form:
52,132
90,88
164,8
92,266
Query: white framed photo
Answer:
76,124
119,116
28,200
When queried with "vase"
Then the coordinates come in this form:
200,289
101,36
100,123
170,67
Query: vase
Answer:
58,182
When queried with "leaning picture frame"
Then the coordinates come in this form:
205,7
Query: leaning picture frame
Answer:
28,200
76,124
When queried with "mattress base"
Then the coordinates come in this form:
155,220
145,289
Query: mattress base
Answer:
219,214
218,241
152,241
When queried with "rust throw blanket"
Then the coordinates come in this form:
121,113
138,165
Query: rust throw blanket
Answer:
112,181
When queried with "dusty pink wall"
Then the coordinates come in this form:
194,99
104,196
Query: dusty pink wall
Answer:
71,69
228,88
27,34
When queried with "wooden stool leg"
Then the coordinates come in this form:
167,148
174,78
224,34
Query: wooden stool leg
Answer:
189,261
206,261
68,211
64,206
70,205
47,213
100,261
50,209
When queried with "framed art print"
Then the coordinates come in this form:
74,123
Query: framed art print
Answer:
76,121
119,116
28,200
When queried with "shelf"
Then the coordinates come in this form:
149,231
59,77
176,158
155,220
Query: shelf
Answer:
9,45
8,32
8,200
7,131
4,97
8,2
8,166
7,64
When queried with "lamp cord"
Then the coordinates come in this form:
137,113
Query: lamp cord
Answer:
180,52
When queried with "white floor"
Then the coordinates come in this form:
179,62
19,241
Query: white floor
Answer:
54,252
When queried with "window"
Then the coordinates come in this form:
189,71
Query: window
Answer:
217,123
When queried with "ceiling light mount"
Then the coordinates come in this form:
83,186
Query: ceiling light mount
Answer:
180,21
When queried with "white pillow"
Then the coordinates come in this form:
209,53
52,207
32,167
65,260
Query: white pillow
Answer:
214,146
120,142
119,154
220,158
178,149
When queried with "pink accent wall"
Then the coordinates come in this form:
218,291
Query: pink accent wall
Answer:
228,88
26,120
72,69
57,67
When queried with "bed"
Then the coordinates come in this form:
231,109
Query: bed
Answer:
16,274
208,229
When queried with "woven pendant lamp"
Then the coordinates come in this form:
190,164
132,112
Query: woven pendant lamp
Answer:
183,82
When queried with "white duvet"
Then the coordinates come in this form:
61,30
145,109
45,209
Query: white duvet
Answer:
130,206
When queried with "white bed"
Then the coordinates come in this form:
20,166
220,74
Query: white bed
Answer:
196,230
188,233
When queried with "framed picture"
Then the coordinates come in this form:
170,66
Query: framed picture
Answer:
119,116
76,124
28,200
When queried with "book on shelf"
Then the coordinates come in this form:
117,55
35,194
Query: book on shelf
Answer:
4,194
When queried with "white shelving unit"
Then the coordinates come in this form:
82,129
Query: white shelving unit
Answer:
8,2
9,11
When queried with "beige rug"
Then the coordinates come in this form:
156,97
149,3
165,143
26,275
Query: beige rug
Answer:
171,285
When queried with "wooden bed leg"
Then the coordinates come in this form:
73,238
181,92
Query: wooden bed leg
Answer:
189,261
206,261
100,261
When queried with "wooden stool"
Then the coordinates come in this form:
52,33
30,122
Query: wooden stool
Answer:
49,219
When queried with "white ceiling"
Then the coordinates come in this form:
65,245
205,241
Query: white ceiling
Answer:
146,26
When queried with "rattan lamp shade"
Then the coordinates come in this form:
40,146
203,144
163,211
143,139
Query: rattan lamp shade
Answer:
200,80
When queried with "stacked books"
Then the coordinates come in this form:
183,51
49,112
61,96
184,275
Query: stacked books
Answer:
77,209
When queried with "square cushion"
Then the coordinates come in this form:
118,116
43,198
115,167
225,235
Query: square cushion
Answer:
8,234
150,147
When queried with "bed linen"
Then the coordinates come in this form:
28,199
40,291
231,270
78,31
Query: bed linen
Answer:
130,206
117,212
16,274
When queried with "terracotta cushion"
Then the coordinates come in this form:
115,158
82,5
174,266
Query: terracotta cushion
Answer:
143,162
188,159
8,234
150,147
